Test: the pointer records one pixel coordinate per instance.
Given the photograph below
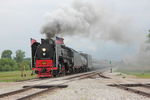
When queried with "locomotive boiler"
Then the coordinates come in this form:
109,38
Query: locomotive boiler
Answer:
52,58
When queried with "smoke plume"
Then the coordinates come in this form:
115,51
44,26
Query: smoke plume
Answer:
71,20
86,19
140,61
93,21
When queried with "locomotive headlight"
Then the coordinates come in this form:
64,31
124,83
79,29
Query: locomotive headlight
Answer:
44,54
43,49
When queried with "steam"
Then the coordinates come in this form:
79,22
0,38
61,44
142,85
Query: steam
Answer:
70,20
140,61
93,21
86,19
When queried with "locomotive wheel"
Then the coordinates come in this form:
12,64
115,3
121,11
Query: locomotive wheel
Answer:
75,70
85,69
55,73
71,71
63,73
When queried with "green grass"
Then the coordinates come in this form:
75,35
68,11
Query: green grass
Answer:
14,76
142,75
139,74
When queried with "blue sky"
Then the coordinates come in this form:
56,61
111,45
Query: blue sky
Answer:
22,19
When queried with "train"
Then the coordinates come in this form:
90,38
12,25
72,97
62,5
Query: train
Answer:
52,58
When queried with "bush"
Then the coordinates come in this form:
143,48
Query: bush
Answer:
25,65
8,65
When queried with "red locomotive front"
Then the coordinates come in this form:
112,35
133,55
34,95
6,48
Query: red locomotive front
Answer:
44,63
43,68
43,59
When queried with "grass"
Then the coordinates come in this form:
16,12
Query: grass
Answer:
14,76
141,75
138,74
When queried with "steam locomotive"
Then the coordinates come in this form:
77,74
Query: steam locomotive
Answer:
52,58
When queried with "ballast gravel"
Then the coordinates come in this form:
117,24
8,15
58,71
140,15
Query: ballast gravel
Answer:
86,89
90,89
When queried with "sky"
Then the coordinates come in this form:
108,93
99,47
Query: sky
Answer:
21,20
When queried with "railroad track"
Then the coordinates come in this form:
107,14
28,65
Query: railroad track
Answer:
141,89
29,92
138,88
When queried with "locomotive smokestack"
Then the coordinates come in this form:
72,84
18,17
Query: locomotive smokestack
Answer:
51,29
49,35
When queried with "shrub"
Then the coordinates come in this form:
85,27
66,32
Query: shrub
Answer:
8,65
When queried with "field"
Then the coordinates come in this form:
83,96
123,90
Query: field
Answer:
138,74
14,76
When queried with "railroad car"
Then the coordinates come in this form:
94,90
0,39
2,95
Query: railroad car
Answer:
52,58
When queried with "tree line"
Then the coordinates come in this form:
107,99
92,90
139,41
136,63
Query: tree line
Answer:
18,62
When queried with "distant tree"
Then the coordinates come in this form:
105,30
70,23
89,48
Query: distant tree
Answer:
148,36
26,63
19,56
7,64
6,54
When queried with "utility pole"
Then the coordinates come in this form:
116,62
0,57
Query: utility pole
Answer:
111,66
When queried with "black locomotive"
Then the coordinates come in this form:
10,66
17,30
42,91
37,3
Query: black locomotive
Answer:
52,58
